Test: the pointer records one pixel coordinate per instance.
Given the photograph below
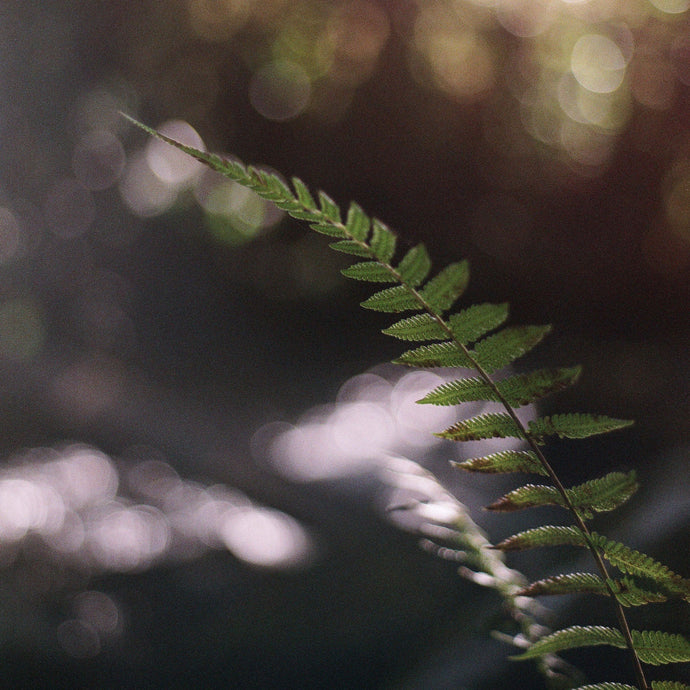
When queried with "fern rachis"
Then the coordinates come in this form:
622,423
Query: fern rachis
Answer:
475,338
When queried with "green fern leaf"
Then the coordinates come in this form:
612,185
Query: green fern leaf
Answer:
441,292
329,208
352,247
528,496
392,300
607,686
575,425
417,327
516,390
569,583
603,494
472,323
328,229
570,638
357,222
658,648
415,266
633,562
498,350
546,535
491,425
382,242
631,591
504,461
371,271
669,685
435,355
303,194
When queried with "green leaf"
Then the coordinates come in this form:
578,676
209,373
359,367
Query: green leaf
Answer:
392,300
357,222
607,686
382,241
668,685
371,271
328,229
441,292
472,323
575,636
658,648
491,425
351,247
504,461
528,496
435,355
303,194
575,425
417,327
329,208
415,266
546,535
498,350
516,390
603,494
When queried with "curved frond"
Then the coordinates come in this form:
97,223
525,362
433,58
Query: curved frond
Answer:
472,323
504,461
392,300
435,355
575,425
669,685
357,223
546,535
571,638
603,494
656,648
329,208
417,327
352,247
415,266
372,271
441,292
499,350
527,496
383,241
490,425
303,194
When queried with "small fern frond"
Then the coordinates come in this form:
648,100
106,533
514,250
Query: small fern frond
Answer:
652,647
435,355
575,425
393,300
607,686
418,327
503,462
442,291
414,267
594,496
370,271
546,535
489,425
358,223
383,241
669,685
517,390
503,348
472,323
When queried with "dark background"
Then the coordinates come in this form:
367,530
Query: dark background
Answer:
547,142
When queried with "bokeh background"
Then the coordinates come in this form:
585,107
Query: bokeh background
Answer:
194,409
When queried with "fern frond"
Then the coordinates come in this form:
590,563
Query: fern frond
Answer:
383,241
352,247
546,535
417,327
357,223
594,496
501,349
628,590
490,425
652,647
371,271
504,461
435,355
472,323
442,291
607,686
304,196
516,390
393,300
575,425
669,685
415,266
328,229
329,208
